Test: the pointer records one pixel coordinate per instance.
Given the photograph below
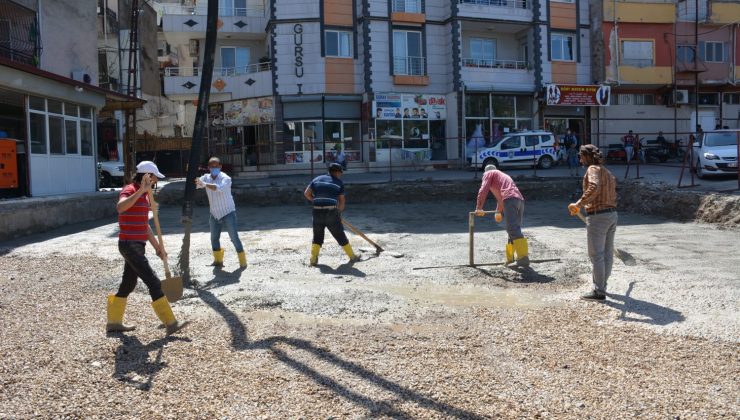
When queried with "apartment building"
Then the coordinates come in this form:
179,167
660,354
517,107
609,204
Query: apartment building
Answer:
49,97
672,65
299,82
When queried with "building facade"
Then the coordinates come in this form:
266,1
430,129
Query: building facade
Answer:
672,65
300,83
49,96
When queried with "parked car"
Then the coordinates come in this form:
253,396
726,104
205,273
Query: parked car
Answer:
110,174
525,148
716,153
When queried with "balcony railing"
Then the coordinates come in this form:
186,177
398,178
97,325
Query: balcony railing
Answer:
407,6
17,56
219,71
495,64
409,66
176,9
514,4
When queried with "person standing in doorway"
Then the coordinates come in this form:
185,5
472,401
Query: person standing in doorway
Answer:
509,206
600,201
570,142
629,145
326,193
134,232
223,211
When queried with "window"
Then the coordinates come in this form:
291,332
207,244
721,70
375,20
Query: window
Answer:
338,44
56,135
687,10
407,6
234,60
709,99
408,56
562,46
483,51
732,98
685,54
634,99
38,133
511,143
86,138
531,141
232,7
70,135
714,52
637,53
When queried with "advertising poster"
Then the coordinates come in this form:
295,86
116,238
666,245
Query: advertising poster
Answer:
409,106
578,95
247,112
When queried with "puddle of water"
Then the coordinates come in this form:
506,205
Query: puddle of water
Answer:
297,318
467,296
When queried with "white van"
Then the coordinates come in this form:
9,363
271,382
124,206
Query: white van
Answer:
524,148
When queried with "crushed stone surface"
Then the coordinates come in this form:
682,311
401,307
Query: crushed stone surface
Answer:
379,338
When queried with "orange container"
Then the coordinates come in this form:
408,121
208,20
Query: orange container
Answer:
8,164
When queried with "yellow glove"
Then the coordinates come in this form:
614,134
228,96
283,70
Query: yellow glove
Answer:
499,217
479,213
574,209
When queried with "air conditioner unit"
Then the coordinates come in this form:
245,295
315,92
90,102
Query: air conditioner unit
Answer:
680,96
81,76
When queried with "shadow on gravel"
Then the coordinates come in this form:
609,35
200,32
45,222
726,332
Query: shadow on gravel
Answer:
346,269
650,313
375,407
223,278
133,366
528,275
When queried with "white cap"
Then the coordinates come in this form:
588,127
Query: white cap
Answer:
490,168
148,167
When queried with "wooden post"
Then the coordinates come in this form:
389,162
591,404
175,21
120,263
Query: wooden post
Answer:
471,225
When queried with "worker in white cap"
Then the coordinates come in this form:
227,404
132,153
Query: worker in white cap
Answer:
133,220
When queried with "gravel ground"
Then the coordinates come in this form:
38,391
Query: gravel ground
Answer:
378,338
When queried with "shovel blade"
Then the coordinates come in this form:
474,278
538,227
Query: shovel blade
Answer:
172,288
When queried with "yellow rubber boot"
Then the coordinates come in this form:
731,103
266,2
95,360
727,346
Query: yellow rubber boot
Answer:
351,254
116,308
242,259
509,253
218,258
522,252
315,249
164,312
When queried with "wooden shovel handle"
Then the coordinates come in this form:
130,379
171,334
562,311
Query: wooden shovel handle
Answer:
362,235
155,213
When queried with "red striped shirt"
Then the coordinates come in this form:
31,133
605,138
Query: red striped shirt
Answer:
134,222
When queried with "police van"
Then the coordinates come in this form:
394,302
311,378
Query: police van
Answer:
525,148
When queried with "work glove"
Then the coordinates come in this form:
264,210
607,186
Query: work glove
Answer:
499,217
479,213
574,209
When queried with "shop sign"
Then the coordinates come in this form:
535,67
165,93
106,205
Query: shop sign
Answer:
243,112
409,107
578,95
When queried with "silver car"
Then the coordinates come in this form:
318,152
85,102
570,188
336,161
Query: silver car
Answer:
716,153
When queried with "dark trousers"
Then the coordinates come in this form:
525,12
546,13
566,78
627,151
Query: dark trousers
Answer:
330,219
137,266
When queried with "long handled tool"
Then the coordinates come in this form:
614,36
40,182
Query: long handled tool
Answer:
623,255
378,248
471,235
171,286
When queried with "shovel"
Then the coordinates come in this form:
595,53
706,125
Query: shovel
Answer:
378,248
623,255
171,286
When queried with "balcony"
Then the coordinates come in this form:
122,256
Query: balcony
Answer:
407,11
249,20
410,71
241,82
507,10
19,35
505,75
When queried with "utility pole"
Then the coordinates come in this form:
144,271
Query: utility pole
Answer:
132,81
201,120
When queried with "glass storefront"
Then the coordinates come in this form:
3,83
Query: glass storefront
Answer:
488,117
409,127
309,140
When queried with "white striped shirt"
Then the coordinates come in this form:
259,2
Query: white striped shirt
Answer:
220,199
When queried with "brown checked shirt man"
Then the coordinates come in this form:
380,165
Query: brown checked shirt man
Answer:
600,202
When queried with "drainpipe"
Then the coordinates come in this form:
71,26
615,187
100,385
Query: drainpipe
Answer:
616,41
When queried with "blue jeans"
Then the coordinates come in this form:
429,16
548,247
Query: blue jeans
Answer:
229,221
513,215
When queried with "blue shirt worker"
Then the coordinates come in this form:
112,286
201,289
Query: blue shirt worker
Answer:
326,193
223,211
